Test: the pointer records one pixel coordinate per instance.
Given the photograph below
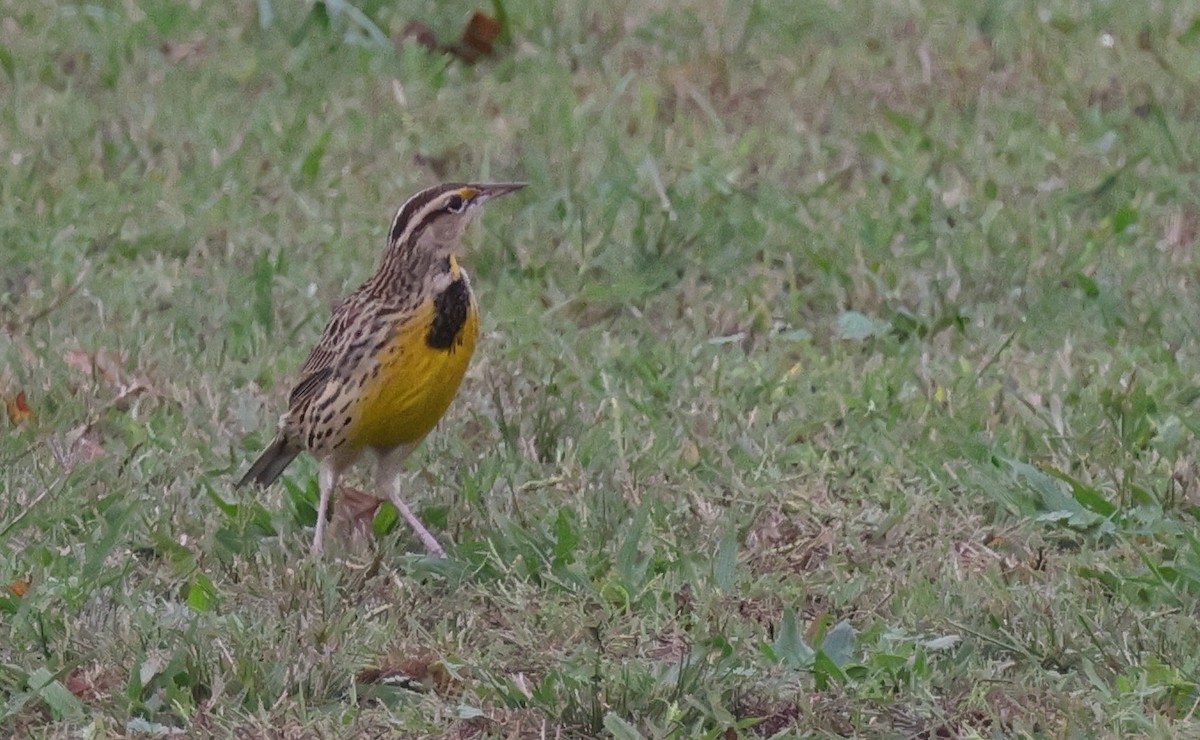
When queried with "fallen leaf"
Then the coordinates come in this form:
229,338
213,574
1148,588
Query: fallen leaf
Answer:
358,507
478,38
84,444
105,363
420,33
175,53
690,454
71,62
411,671
18,408
19,588
111,366
79,360
78,684
93,683
126,393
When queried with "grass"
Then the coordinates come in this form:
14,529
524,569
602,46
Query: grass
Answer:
838,370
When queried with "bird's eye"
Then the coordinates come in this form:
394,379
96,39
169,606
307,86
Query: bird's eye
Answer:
456,204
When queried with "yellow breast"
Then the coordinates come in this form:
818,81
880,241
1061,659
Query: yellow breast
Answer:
414,383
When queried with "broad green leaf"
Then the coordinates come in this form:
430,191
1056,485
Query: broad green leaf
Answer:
386,518
826,671
620,729
566,537
630,567
724,565
857,326
839,643
62,703
789,646
945,642
202,594
6,62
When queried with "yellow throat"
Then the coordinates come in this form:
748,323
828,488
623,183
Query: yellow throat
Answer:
419,369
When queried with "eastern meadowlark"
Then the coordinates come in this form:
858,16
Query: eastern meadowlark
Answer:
392,355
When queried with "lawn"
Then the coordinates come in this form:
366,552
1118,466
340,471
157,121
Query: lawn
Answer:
838,375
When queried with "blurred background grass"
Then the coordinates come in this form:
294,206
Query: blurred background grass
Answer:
838,369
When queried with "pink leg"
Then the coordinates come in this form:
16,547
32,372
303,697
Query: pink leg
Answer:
326,480
387,479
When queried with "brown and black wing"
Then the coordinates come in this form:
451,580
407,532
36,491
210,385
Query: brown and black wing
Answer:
314,375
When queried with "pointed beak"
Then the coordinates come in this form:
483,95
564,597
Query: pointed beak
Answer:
487,191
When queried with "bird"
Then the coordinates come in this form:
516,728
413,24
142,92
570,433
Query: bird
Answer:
391,357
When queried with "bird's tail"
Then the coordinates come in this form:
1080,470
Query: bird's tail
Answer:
270,464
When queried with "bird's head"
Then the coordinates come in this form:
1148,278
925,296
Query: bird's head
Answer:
432,222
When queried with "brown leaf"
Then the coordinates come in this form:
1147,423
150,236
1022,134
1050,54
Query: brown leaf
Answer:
421,667
78,684
105,363
814,626
175,53
85,446
111,366
690,454
71,62
420,33
478,38
93,683
79,360
358,507
19,588
127,392
18,408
